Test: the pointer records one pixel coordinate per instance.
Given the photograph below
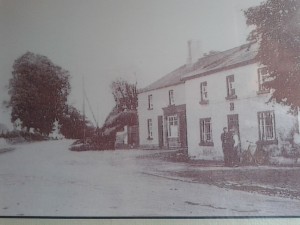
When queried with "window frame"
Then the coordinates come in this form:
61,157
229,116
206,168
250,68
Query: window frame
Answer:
150,129
172,119
231,91
261,80
203,93
231,106
171,97
204,141
264,129
150,102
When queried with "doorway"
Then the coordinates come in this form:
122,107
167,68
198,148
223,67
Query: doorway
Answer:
160,131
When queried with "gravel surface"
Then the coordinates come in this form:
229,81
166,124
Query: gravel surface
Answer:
47,179
281,181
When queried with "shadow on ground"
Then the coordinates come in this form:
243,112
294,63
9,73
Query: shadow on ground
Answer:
279,181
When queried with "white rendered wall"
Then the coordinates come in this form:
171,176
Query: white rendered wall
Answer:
160,98
247,104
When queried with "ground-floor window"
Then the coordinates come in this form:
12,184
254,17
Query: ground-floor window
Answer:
149,125
206,132
173,126
266,123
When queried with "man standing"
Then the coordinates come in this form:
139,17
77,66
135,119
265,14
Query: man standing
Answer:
225,146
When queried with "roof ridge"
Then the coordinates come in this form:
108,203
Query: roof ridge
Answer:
204,64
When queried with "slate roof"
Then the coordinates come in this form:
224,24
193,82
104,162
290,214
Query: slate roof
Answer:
235,57
170,79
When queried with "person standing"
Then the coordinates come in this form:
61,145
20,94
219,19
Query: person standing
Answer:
225,146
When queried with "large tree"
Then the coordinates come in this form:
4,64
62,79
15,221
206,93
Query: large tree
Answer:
124,113
38,92
277,30
72,123
125,94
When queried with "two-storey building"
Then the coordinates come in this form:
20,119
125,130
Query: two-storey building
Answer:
224,89
162,113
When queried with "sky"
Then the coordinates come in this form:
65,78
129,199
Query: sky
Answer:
101,40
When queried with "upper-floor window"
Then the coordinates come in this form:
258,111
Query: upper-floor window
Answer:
230,87
266,123
203,93
263,76
231,106
150,102
206,132
173,126
149,125
171,97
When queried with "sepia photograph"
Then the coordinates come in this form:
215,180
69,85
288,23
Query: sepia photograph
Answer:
150,108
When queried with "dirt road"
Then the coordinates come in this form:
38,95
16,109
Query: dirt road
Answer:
46,179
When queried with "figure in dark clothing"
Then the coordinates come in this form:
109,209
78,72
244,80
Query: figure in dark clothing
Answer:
225,138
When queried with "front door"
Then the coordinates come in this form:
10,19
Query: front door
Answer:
160,131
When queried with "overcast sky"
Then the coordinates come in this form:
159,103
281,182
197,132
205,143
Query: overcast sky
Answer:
104,39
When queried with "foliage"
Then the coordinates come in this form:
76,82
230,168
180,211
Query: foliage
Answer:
277,29
124,113
20,136
98,141
125,95
71,123
114,122
38,92
121,119
104,138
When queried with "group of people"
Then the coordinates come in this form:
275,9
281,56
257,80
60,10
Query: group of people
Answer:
231,147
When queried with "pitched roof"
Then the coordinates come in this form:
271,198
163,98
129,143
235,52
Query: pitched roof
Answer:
235,57
170,79
228,59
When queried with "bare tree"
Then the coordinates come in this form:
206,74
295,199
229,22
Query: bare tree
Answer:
125,95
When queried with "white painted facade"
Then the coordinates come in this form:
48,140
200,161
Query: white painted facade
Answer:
203,114
247,105
160,100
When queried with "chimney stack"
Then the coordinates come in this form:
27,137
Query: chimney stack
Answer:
194,51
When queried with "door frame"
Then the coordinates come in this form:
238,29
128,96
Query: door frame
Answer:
160,127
